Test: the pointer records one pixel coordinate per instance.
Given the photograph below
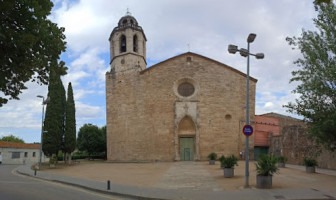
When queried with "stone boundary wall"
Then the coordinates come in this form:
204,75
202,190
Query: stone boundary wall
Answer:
295,144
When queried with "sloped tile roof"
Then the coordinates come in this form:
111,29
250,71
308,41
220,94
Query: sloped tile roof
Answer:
18,145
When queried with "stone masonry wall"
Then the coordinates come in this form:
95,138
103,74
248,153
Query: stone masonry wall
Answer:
141,115
295,144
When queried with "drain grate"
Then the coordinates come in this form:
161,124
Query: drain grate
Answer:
329,197
279,197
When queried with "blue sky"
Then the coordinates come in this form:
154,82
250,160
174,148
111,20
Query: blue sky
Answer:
170,25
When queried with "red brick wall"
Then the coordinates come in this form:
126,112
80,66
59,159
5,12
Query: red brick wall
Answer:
263,126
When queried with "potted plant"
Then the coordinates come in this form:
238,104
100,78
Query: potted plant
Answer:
282,161
52,162
228,163
310,164
212,157
266,167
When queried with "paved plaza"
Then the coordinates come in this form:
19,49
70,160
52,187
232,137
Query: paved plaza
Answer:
191,180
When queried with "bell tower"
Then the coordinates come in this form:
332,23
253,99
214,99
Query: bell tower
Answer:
127,46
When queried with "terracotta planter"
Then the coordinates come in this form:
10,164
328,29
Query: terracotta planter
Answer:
281,165
264,182
212,162
310,169
228,172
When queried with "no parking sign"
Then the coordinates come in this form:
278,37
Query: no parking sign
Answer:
248,130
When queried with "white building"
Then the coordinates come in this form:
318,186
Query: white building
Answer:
20,153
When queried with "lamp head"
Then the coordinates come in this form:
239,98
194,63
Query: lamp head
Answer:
244,52
40,96
260,56
251,37
232,49
46,101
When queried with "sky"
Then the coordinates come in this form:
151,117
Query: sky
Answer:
172,27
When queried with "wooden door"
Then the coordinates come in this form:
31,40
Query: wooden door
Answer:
187,149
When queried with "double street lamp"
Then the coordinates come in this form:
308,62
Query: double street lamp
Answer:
44,102
246,53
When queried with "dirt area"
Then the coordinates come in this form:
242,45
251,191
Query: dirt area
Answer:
149,174
136,174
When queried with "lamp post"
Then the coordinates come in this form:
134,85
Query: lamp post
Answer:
44,102
246,53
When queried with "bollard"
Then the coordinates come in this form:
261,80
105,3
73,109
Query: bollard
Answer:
35,172
108,185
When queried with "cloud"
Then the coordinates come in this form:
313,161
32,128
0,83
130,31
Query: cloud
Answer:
81,93
207,26
89,114
25,112
86,111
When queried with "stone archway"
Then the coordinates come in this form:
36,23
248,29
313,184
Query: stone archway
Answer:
186,126
186,140
186,135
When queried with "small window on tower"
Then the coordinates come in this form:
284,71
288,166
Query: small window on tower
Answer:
122,44
135,43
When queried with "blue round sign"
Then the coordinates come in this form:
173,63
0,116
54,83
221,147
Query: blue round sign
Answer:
247,130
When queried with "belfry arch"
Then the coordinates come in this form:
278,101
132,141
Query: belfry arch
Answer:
135,43
123,44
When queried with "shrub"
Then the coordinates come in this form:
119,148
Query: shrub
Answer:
212,156
52,160
228,162
266,165
309,162
282,159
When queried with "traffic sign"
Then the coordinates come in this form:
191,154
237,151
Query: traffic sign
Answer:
247,130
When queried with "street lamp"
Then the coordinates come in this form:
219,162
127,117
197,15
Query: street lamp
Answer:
246,53
44,102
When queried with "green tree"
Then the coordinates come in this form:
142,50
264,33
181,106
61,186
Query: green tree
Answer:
70,123
317,77
30,44
53,133
11,138
104,144
91,139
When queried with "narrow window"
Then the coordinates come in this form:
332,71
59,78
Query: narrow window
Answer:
135,43
26,154
122,44
34,154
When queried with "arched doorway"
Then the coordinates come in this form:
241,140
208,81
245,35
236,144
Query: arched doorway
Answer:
186,133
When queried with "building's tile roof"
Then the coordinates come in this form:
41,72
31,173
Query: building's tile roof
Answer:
18,145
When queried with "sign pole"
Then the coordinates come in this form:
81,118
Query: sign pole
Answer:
247,174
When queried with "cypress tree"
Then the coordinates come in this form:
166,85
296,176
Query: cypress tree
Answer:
70,124
55,114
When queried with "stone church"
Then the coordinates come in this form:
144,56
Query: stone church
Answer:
182,108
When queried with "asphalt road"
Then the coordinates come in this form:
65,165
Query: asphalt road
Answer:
18,187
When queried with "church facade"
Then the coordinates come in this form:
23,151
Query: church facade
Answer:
183,108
